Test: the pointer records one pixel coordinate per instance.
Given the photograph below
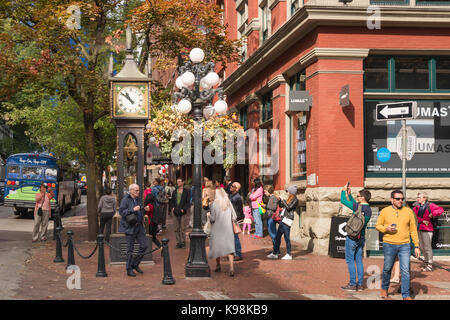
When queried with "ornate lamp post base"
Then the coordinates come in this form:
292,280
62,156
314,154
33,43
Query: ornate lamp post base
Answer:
197,265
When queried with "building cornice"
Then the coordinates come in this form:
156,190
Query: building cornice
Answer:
254,25
310,17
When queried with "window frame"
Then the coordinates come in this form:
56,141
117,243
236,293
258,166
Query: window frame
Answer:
392,78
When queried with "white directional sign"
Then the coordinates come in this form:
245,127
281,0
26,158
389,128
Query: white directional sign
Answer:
396,110
411,143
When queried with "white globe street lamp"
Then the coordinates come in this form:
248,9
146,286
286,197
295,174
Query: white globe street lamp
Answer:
184,106
196,55
195,97
188,78
212,79
221,107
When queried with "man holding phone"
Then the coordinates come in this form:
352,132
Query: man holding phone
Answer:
398,225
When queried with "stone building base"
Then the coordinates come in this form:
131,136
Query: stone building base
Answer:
311,228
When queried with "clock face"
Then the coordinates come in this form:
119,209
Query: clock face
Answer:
130,99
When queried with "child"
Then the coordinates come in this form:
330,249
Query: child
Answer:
248,219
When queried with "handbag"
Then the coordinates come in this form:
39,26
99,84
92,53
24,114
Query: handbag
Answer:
262,210
276,216
236,227
285,219
205,202
207,228
39,211
131,219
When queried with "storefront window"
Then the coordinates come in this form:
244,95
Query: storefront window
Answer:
266,112
442,73
243,117
299,146
431,132
376,73
411,73
391,74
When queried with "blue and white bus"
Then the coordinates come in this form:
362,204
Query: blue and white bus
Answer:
24,174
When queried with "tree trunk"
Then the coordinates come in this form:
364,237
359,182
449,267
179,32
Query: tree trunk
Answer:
91,177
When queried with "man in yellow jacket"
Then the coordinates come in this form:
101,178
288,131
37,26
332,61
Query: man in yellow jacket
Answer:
398,225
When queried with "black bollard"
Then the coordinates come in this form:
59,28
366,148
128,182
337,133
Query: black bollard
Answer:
55,224
58,257
168,278
101,272
70,254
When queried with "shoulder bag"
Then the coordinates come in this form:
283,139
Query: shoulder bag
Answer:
40,212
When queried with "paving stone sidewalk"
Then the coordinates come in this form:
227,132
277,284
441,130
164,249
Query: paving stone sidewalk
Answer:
307,276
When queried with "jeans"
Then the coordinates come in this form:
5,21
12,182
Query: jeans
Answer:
141,238
354,254
272,228
258,222
237,246
403,251
285,230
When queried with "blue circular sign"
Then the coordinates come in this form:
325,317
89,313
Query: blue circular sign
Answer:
383,155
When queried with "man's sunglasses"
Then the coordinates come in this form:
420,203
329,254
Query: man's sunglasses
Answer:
399,199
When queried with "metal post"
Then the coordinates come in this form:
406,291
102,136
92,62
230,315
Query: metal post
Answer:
70,253
168,278
197,265
101,272
404,148
58,257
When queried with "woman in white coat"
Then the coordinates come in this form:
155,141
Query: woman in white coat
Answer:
221,242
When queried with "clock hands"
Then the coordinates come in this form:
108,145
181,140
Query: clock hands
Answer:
126,95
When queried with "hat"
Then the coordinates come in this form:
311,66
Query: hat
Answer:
292,189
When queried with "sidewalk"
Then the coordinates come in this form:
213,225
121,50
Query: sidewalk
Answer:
307,276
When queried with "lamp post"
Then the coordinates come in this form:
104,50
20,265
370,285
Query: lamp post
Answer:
196,83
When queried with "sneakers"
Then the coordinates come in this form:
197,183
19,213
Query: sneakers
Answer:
348,287
383,294
287,257
427,268
272,256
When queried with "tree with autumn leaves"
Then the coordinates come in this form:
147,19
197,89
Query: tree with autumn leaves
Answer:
66,60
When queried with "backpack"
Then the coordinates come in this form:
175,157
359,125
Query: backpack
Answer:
434,220
276,216
162,197
355,224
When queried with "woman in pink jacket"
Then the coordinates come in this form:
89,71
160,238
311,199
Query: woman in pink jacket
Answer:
425,212
256,197
43,198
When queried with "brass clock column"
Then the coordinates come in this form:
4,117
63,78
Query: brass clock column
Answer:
130,103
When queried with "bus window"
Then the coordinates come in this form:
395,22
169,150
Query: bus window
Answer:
13,172
50,174
31,172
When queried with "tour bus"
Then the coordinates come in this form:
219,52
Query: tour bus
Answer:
24,174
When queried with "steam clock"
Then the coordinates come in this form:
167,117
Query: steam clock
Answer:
130,103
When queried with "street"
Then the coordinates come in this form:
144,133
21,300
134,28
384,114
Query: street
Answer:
16,247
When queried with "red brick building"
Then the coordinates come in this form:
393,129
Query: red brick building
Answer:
388,52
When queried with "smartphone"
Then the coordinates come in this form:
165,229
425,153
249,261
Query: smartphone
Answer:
394,226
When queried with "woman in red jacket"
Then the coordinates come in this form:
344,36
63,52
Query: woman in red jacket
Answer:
425,212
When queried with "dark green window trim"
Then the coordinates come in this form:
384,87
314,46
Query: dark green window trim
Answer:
243,117
391,77
432,3
266,110
390,3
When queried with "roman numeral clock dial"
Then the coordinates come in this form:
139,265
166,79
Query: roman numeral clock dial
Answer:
130,100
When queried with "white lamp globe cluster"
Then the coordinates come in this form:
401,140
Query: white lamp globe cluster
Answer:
187,80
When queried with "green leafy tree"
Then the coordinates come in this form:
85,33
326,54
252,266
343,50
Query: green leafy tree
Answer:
64,54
